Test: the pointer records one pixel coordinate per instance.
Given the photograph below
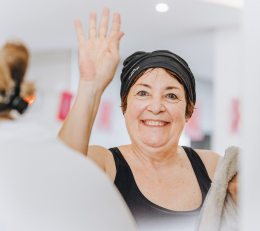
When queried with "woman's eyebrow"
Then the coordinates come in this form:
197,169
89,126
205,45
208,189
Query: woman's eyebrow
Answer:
167,88
172,87
144,85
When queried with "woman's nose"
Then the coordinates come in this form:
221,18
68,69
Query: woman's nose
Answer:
156,106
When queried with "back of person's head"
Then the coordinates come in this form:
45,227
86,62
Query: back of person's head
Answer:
14,59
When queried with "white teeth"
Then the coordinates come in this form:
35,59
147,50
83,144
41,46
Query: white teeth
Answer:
154,123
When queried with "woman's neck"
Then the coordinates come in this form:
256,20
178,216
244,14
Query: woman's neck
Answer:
157,157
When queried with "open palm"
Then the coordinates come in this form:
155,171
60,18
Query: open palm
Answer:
99,56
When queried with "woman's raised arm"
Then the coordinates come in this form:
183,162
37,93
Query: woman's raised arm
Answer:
98,60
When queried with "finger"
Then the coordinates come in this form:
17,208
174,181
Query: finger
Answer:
92,31
79,30
116,25
114,42
104,23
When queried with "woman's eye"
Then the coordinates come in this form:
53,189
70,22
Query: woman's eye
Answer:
171,96
142,93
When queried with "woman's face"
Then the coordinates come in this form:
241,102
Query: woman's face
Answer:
155,114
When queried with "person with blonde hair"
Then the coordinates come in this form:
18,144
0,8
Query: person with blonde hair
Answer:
44,185
14,90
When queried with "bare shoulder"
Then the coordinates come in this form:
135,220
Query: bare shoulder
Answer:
210,160
103,158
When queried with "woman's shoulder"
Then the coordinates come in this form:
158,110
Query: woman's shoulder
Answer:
210,160
103,158
97,149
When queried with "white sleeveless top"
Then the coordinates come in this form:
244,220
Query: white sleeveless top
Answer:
45,186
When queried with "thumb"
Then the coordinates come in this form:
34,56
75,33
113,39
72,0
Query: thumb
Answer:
114,42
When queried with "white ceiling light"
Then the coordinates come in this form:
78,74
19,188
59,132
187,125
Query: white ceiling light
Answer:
162,7
231,3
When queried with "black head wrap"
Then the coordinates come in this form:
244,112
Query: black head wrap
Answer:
140,61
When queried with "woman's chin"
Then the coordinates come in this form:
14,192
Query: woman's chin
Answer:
154,143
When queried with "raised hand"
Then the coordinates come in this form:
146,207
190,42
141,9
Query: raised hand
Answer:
99,56
98,60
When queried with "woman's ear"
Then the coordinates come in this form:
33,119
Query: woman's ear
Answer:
187,119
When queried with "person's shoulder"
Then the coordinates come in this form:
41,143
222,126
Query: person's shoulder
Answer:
98,153
207,154
210,160
103,158
97,149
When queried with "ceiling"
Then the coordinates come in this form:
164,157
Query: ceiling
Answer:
48,24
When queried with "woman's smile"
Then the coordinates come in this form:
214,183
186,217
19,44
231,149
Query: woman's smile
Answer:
154,123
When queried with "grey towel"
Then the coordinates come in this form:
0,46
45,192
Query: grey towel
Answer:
219,212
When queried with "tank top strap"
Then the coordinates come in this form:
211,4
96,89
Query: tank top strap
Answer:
118,157
124,179
199,170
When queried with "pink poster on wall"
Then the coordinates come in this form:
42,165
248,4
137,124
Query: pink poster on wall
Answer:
104,121
235,115
65,104
193,127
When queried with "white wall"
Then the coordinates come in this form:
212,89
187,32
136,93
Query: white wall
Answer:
51,73
227,83
251,80
196,48
205,100
118,134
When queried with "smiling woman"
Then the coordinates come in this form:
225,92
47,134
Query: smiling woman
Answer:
163,184
157,102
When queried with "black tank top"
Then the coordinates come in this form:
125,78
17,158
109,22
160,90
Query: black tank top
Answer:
148,215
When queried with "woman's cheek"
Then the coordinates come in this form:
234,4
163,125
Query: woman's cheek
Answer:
138,107
133,112
177,113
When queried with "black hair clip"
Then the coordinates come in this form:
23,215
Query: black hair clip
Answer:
13,99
